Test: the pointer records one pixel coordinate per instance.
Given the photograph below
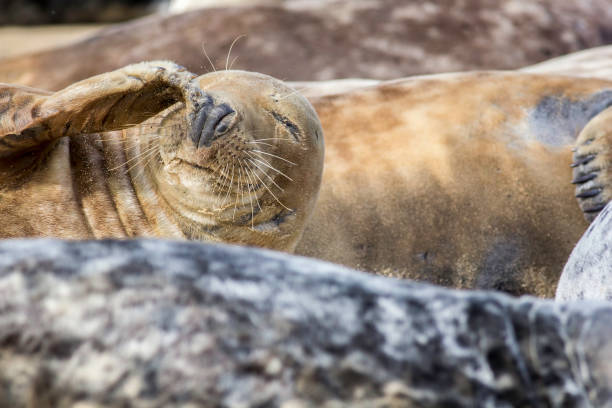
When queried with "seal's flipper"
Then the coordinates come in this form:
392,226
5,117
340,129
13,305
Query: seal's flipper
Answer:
593,165
105,102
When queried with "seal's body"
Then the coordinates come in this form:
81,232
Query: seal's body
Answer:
458,179
233,156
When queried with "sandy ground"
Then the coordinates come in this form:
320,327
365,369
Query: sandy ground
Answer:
15,40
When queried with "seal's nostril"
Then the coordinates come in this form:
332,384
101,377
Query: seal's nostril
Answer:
198,125
218,122
200,120
222,128
224,122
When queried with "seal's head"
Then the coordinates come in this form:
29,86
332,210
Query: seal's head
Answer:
244,164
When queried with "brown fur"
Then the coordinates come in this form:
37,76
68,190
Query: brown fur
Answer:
75,164
458,179
383,39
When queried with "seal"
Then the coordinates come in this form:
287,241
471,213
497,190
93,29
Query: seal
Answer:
151,150
457,179
395,39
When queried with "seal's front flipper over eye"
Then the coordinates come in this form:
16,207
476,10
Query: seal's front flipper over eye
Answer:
593,165
105,102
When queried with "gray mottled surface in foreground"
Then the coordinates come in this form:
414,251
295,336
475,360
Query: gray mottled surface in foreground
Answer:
169,324
588,271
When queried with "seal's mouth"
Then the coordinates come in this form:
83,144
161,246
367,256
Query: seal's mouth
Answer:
174,165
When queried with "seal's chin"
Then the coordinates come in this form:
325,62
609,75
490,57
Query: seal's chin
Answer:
184,173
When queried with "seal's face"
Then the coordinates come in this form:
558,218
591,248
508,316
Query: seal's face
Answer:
246,164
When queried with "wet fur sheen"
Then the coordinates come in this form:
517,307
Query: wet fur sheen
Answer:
458,179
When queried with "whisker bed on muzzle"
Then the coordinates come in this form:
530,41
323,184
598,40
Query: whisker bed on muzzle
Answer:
260,143
239,189
250,197
273,155
143,157
267,175
231,184
274,138
249,173
265,163
270,191
226,186
218,187
146,152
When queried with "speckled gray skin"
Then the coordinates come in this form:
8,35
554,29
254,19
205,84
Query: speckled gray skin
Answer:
588,271
169,324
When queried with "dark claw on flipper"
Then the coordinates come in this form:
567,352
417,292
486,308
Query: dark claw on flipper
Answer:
584,178
583,160
589,193
597,208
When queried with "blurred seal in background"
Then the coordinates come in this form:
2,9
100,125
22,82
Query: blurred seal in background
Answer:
322,40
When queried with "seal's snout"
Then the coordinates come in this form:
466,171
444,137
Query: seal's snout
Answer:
211,122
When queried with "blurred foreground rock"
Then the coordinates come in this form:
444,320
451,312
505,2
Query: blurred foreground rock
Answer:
174,324
322,40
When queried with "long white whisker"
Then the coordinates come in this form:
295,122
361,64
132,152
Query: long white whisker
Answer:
260,143
273,155
208,58
239,188
233,61
294,92
250,199
151,157
230,50
220,201
218,187
143,158
267,175
229,189
274,138
141,154
270,167
253,182
270,191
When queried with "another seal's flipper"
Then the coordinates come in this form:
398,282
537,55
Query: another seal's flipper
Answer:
106,102
593,165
